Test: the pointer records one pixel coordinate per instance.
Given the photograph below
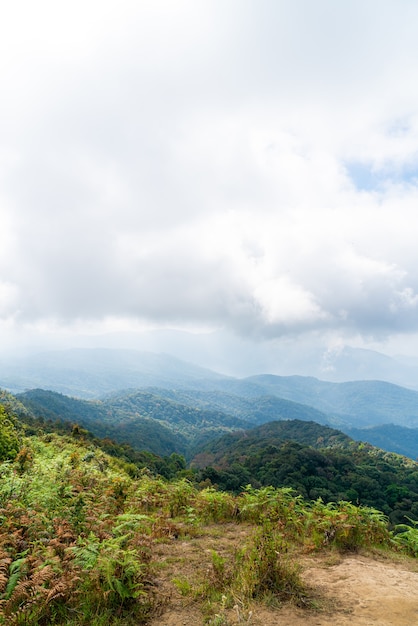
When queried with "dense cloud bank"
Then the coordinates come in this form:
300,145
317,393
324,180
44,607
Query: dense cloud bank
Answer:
249,166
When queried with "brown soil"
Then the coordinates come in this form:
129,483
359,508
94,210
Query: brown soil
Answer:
360,591
355,590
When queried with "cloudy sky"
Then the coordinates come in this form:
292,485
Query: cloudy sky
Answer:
248,167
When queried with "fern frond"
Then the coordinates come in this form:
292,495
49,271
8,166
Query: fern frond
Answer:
15,572
43,575
4,572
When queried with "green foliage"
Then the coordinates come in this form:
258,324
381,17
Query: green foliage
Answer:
263,568
16,570
332,467
407,537
116,577
45,511
145,420
9,437
267,503
348,527
181,497
216,506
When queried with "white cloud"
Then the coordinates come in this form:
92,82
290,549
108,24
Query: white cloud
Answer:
8,299
200,164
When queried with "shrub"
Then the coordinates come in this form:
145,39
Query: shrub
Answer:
215,506
263,569
9,437
349,527
407,537
114,577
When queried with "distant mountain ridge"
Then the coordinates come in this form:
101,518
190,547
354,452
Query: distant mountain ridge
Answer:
144,420
92,373
356,403
257,410
358,407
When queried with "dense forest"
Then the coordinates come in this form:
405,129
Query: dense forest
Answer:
146,420
317,462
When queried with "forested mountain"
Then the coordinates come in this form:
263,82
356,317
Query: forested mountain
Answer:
146,421
180,392
90,488
358,403
262,409
141,432
391,437
256,410
316,461
159,421
165,421
95,373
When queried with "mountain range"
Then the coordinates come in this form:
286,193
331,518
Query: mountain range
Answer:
166,405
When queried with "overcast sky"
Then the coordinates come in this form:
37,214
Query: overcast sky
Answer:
249,166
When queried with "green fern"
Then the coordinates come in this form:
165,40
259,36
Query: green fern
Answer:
16,571
87,552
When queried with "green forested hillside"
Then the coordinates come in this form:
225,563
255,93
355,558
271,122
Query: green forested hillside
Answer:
256,410
317,461
393,437
144,420
140,432
259,410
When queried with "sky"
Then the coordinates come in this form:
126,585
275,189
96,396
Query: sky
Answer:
236,169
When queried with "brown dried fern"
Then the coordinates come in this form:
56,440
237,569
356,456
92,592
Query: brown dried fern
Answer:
4,571
36,594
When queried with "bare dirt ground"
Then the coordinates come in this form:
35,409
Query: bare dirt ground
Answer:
359,589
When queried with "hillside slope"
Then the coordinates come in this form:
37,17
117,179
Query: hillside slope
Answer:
146,421
256,410
392,437
316,461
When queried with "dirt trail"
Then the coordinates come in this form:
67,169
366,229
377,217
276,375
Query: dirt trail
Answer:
362,591
354,589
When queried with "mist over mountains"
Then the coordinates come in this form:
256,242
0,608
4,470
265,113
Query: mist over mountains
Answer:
169,405
92,372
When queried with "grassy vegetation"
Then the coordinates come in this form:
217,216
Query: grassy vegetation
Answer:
80,533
